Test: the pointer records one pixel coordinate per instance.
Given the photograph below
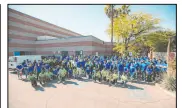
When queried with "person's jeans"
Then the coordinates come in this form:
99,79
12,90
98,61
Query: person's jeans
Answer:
143,75
46,70
38,75
18,72
26,71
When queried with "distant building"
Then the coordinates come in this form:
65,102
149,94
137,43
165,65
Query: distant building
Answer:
31,36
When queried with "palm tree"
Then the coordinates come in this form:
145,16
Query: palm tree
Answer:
113,13
109,12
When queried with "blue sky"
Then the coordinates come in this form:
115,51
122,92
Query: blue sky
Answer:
91,19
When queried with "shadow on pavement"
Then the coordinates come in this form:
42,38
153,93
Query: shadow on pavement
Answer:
54,81
142,82
49,84
132,87
39,88
25,80
70,82
84,80
13,72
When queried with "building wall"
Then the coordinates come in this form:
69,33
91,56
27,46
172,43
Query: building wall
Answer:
24,30
163,55
89,45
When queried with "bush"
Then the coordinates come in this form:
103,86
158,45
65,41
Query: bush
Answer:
169,82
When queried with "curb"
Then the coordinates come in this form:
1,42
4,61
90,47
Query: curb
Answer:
168,92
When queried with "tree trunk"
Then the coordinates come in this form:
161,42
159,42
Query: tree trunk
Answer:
168,51
112,30
151,53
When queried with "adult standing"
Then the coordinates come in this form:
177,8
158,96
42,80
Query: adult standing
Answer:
25,66
19,72
38,68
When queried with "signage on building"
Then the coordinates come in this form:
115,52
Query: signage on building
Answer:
97,54
81,52
130,53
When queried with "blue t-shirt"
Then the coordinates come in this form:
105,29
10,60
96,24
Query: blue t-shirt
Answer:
78,64
164,69
127,64
38,68
132,69
55,71
158,68
143,67
47,66
31,68
88,69
149,70
108,65
19,67
125,69
83,63
70,71
25,65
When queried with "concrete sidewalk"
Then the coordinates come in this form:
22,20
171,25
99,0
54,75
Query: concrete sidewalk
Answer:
80,94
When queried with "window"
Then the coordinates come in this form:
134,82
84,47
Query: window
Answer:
64,53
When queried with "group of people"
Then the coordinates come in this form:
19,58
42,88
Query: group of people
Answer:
135,68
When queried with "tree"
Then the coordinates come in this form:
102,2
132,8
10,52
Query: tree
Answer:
113,13
127,27
153,41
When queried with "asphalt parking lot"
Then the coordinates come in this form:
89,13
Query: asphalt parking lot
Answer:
86,94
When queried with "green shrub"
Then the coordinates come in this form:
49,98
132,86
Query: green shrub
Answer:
169,82
98,75
115,76
63,73
32,77
124,78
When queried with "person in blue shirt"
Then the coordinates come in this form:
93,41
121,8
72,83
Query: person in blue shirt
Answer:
126,70
19,70
88,71
128,64
164,66
143,68
108,65
137,67
101,66
149,72
38,68
118,69
112,66
104,65
47,67
132,71
30,68
97,66
70,72
25,67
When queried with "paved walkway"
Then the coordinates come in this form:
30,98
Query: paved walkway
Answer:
82,94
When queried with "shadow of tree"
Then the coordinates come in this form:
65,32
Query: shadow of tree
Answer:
39,88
